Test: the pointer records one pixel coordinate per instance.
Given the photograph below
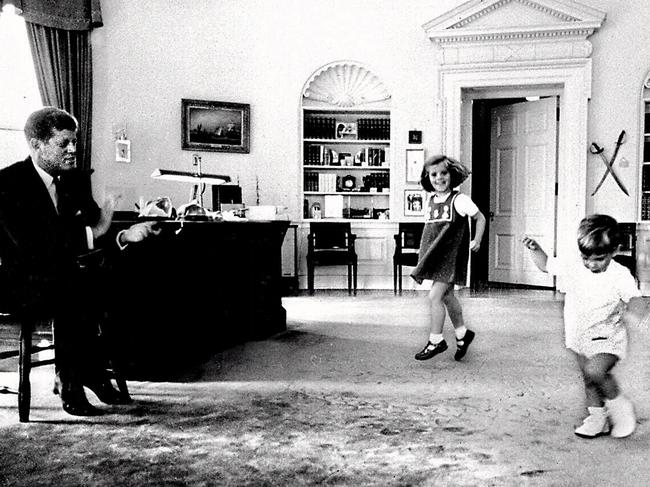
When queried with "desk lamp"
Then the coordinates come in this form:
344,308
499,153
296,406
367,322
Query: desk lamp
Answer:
197,178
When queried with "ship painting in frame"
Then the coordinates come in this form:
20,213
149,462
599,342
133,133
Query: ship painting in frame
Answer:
215,126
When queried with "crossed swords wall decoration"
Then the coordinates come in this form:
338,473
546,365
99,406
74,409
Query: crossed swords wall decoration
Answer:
609,164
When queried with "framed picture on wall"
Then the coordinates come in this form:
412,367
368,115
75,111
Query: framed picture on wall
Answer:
414,202
414,162
215,126
122,150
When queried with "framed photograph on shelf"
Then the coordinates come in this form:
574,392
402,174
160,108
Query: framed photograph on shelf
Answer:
215,126
414,162
414,202
346,130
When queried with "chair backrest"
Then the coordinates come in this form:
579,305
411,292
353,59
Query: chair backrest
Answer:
410,234
330,235
628,246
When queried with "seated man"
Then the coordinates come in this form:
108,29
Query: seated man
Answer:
48,219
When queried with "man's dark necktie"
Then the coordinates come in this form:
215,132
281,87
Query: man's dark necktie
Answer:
62,197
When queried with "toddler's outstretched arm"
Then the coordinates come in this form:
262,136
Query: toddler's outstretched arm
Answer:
536,252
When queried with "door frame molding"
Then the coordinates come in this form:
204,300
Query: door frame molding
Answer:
572,77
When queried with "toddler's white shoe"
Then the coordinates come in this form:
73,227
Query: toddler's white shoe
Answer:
621,414
594,425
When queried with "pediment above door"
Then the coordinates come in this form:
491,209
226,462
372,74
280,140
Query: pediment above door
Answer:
512,30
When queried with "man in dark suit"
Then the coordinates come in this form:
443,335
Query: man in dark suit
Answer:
48,222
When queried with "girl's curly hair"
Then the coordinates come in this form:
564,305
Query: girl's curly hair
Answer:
457,171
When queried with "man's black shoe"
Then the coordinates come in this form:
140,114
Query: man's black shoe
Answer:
74,401
463,344
107,394
80,408
431,350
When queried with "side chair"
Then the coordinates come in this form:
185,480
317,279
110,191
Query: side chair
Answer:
407,244
331,244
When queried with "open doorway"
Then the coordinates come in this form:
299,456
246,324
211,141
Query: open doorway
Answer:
514,182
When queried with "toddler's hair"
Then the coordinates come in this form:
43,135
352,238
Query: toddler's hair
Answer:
598,235
457,171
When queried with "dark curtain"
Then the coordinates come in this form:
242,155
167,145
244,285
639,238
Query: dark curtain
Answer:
59,37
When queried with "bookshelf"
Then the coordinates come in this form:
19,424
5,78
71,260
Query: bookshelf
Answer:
346,163
345,144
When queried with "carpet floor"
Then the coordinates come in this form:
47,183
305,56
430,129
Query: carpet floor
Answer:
338,399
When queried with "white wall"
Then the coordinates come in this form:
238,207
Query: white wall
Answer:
152,53
621,60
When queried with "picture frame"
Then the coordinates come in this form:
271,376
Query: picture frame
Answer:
414,200
414,163
415,136
345,130
122,150
215,126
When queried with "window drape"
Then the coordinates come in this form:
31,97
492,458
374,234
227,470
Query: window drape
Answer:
59,37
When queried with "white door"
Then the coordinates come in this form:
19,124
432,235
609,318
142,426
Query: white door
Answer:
523,148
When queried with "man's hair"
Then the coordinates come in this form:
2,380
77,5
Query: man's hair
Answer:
598,235
41,123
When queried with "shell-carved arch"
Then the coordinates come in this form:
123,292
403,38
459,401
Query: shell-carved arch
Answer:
345,84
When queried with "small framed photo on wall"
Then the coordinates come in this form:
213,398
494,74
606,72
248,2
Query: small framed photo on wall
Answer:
414,163
122,150
414,202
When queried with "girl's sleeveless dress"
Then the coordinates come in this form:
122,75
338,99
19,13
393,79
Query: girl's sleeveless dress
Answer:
444,245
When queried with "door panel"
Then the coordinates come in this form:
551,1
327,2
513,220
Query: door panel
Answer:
522,196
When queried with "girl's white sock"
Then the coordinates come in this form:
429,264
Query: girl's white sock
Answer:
435,338
460,332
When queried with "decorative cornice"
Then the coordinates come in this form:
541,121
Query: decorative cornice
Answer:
566,19
528,3
457,37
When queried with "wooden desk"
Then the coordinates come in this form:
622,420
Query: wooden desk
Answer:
197,288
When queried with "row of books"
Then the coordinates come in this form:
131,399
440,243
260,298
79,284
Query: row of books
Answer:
373,128
379,180
321,127
324,182
320,155
331,183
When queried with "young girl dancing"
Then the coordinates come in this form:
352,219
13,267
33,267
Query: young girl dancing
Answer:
444,250
601,298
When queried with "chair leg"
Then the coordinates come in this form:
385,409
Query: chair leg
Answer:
399,278
24,368
350,279
394,278
354,272
310,277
